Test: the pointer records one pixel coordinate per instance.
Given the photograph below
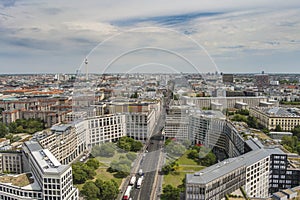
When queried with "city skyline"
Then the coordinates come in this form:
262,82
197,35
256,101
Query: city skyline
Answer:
253,36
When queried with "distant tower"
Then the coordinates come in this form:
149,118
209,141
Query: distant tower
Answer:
86,69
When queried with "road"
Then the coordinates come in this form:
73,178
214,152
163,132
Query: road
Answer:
149,165
148,161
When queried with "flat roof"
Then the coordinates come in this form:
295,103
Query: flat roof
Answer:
280,133
45,159
61,127
221,169
25,181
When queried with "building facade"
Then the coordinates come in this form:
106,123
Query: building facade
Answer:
42,177
271,117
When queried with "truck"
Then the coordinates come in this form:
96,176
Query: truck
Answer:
127,193
139,183
132,180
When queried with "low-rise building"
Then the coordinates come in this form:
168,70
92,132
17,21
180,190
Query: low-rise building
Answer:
271,117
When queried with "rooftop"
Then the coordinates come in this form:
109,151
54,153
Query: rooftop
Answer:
20,180
220,169
45,159
278,111
61,127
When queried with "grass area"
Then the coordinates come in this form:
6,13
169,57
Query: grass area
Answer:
186,165
184,160
174,179
107,160
105,176
17,180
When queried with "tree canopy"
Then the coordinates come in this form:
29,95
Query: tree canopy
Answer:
170,192
129,144
100,189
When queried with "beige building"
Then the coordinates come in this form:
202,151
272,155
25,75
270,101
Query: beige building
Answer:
271,117
11,162
64,142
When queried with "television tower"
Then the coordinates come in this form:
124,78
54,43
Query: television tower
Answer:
86,69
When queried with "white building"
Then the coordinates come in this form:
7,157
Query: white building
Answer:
43,178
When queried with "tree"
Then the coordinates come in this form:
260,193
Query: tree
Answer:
82,172
278,128
193,154
90,190
136,146
170,192
131,156
252,122
296,131
171,167
209,159
109,190
239,118
129,144
175,149
93,163
3,130
122,167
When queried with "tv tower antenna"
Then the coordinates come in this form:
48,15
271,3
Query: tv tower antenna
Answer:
86,69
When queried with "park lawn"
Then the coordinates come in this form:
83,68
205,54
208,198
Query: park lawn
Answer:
102,174
184,160
109,159
174,179
186,166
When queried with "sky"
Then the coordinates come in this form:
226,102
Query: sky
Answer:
230,36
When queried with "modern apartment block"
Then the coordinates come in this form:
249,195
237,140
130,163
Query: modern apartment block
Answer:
43,177
177,123
209,128
64,141
261,172
283,174
271,117
107,128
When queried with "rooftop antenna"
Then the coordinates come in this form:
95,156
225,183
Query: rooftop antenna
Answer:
86,69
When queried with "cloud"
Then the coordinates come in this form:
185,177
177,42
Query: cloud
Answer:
8,3
168,20
233,30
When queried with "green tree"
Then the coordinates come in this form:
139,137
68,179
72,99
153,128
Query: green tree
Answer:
90,190
170,192
193,154
131,156
3,130
239,118
296,131
175,149
136,146
109,190
252,122
82,172
93,163
209,159
278,128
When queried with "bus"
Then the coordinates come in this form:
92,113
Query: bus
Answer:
127,193
139,183
132,180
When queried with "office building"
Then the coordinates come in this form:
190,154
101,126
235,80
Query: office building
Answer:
271,117
43,177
